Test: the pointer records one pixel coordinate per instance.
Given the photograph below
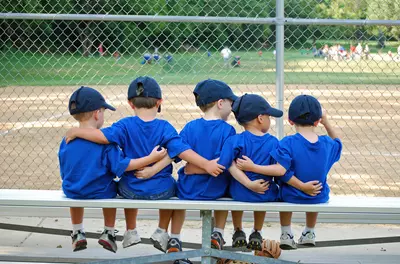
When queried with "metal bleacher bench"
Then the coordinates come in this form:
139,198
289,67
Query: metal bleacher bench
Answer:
337,204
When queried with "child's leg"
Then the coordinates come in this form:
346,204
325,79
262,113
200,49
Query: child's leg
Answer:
77,218
131,236
130,218
308,235
255,238
78,234
110,214
165,218
217,236
177,220
239,237
287,241
107,238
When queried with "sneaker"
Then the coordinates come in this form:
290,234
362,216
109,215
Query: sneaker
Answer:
108,241
175,245
255,241
307,239
160,240
131,238
287,241
239,239
79,241
217,241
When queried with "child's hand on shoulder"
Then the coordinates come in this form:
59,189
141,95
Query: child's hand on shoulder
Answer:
158,153
312,188
71,134
259,186
245,164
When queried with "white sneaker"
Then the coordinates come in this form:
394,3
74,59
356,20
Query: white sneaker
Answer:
160,240
287,241
131,238
307,239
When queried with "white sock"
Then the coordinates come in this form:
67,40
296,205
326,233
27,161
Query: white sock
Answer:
161,230
77,227
308,229
216,229
132,230
177,236
259,231
287,229
110,228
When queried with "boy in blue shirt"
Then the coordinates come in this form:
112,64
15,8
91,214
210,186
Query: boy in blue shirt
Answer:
309,157
88,169
206,137
253,113
137,136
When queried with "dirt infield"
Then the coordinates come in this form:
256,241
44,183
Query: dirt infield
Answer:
34,119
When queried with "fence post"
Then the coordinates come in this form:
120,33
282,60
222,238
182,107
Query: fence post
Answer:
280,46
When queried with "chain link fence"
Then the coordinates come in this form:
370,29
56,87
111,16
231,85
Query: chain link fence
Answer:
50,48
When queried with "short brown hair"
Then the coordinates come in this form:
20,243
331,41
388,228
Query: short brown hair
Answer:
144,102
81,117
207,107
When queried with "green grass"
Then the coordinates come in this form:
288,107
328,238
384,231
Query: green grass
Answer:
17,68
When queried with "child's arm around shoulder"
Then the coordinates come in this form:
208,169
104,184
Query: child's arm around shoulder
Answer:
150,171
90,134
258,186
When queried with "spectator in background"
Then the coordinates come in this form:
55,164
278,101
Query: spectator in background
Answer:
226,53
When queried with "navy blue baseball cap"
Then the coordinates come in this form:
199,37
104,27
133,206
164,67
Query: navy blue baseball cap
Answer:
305,110
149,88
249,106
210,90
87,99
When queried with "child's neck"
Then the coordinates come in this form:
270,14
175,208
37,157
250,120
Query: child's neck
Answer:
88,124
146,114
308,133
212,114
254,130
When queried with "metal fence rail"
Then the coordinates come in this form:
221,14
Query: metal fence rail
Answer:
286,48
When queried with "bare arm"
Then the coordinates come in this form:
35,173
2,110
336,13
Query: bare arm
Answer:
329,128
91,134
154,156
193,169
258,186
246,164
211,167
150,171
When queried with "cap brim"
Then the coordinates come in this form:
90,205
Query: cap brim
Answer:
233,97
275,112
107,106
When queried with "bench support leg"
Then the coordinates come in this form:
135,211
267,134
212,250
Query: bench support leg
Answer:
206,236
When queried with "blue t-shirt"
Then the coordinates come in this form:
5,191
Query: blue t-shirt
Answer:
205,137
308,162
88,169
258,149
137,138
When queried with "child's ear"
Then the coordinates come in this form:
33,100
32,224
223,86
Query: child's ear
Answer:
317,122
291,122
131,105
219,103
96,114
260,119
159,102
